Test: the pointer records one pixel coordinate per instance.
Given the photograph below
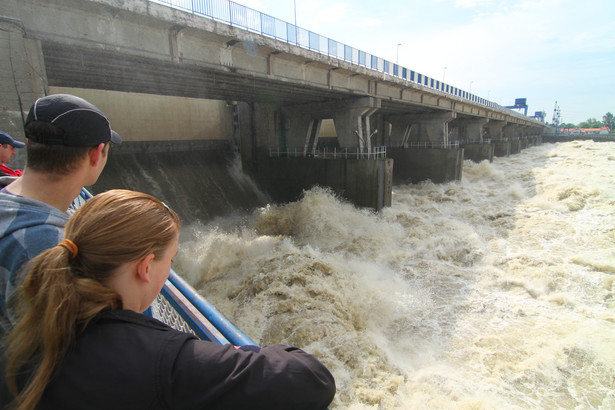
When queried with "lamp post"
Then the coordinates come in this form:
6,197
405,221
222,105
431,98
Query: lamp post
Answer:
295,9
444,74
296,30
470,86
397,59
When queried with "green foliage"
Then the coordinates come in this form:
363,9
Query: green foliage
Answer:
591,123
609,121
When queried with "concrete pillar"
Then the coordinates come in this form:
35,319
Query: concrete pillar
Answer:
515,145
352,118
468,129
493,129
353,123
438,165
501,148
511,131
259,130
400,131
527,131
479,151
22,79
364,182
427,127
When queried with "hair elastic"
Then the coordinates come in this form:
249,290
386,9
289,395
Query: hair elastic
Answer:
70,246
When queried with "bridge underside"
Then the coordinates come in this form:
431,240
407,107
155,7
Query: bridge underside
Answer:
269,94
68,65
73,66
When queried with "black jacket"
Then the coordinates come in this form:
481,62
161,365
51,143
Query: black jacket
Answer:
125,360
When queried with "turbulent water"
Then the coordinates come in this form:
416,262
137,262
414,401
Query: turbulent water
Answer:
493,292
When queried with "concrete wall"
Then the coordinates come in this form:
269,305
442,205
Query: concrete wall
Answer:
501,148
478,152
418,164
147,117
515,146
200,181
365,183
22,80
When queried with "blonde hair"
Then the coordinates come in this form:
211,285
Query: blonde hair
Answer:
61,294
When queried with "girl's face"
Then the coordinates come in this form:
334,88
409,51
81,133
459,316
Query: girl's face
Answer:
161,268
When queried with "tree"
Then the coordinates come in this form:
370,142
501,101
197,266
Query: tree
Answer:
568,125
590,123
609,121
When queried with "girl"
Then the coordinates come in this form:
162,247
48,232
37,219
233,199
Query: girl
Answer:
82,342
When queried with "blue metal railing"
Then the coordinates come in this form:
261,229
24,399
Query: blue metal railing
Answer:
214,317
252,20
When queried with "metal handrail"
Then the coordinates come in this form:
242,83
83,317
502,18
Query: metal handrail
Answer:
252,20
217,319
429,144
378,152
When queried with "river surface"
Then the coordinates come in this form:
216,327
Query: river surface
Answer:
493,292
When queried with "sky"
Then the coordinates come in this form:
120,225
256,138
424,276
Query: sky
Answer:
551,52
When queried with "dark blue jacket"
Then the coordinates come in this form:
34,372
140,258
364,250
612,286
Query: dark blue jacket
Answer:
126,360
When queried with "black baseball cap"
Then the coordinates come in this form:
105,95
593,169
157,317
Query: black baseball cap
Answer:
7,139
83,124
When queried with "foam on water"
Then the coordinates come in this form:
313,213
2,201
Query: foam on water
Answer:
495,292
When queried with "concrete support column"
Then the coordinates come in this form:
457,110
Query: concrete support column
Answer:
364,129
468,129
429,127
501,148
511,131
434,127
400,130
493,129
353,122
527,131
22,79
311,138
419,164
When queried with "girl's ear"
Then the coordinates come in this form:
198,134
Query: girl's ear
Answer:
143,268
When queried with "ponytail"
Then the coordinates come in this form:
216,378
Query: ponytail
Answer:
64,290
67,304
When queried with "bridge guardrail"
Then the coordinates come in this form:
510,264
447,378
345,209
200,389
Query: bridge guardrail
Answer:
345,153
429,144
249,19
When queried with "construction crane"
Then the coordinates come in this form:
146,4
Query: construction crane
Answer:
557,113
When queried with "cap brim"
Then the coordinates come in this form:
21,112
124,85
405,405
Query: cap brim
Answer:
115,137
18,144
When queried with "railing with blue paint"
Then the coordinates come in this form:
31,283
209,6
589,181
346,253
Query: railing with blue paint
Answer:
249,19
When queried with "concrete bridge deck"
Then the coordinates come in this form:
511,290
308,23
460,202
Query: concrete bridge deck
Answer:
163,74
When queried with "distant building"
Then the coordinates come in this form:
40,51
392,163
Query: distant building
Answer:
585,131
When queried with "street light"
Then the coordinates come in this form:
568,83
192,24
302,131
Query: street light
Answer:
397,60
470,86
444,74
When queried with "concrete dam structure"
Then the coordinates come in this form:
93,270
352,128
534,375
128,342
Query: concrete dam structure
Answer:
178,84
198,183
